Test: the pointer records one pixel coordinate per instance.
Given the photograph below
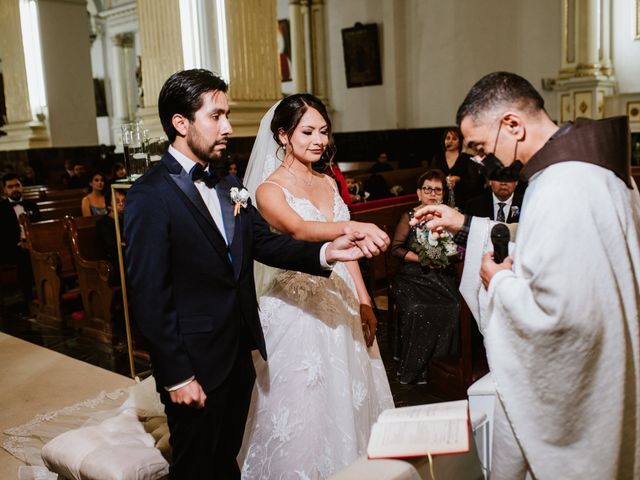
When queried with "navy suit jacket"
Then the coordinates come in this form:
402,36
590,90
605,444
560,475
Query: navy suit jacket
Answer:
482,206
193,297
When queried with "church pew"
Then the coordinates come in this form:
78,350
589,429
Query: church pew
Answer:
405,177
386,211
59,206
49,193
94,275
53,269
59,212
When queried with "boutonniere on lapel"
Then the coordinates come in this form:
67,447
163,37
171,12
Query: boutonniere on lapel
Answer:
515,212
239,198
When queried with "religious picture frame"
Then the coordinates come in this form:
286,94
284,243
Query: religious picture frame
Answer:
361,48
284,50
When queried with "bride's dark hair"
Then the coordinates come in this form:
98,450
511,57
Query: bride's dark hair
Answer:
288,113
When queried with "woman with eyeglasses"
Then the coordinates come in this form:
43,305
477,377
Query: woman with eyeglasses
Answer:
427,298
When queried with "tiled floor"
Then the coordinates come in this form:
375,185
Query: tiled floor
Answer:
114,357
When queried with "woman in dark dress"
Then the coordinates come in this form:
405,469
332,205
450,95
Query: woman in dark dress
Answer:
427,298
463,175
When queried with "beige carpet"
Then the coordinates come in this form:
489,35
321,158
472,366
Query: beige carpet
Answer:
36,380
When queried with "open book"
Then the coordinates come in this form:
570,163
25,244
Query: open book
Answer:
435,429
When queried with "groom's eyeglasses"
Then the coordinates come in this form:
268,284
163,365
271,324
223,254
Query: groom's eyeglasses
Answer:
428,190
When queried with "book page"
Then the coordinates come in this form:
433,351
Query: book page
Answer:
440,411
406,439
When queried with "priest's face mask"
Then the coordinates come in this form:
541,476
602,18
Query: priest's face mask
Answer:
477,138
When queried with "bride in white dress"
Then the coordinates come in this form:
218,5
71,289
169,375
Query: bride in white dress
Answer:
324,383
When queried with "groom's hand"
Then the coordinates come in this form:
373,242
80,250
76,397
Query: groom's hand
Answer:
345,248
190,395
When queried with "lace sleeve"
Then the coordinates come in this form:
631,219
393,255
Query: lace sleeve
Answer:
398,248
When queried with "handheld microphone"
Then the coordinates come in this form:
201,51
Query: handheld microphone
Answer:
500,240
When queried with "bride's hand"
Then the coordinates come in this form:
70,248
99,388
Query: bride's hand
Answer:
376,240
369,323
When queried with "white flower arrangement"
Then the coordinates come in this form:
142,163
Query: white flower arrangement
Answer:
434,249
240,198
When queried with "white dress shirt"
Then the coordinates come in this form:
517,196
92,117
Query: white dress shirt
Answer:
506,209
209,195
19,210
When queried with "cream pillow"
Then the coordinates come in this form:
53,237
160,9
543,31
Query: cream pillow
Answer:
116,449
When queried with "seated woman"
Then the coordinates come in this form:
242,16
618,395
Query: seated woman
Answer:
427,297
94,202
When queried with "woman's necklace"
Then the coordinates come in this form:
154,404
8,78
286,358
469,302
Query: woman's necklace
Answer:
295,177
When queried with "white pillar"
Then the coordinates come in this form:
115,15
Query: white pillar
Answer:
297,46
586,75
64,33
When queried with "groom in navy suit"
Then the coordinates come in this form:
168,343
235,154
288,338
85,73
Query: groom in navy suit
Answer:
190,252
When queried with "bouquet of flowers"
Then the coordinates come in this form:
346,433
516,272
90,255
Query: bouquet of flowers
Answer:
434,249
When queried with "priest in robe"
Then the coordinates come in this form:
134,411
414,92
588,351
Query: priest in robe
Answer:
560,315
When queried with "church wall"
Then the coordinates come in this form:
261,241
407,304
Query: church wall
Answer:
625,47
433,51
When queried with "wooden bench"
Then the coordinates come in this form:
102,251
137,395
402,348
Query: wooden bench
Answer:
385,211
53,268
59,212
52,193
407,178
67,202
94,276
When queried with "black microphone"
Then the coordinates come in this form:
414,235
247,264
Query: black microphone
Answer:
500,239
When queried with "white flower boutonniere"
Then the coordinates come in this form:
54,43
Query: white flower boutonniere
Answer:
240,198
515,212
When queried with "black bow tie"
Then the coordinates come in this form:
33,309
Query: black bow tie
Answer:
19,202
197,173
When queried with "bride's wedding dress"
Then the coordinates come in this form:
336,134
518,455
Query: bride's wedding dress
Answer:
316,398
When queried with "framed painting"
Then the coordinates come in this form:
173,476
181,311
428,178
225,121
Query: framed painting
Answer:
361,48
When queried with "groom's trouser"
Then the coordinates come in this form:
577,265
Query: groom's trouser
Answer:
206,441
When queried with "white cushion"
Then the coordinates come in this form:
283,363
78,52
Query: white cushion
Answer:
116,449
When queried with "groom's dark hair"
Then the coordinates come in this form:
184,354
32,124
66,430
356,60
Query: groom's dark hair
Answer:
182,94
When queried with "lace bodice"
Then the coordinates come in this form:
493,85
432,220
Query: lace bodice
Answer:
309,212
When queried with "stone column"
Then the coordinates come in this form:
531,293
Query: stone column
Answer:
318,48
161,53
22,131
298,48
64,35
124,97
254,83
586,75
